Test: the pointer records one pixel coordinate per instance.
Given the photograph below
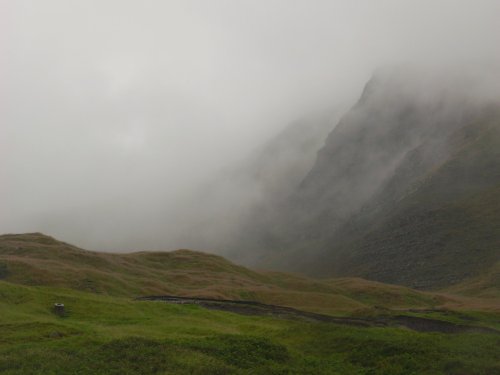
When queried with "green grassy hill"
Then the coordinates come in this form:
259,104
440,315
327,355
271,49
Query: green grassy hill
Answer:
102,334
106,331
36,259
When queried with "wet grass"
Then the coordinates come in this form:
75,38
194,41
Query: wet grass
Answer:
113,335
35,259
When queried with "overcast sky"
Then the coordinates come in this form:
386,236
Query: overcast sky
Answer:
111,110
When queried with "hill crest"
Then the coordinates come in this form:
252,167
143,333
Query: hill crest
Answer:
39,260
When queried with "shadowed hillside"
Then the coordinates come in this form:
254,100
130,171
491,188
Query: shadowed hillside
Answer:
484,286
404,191
444,228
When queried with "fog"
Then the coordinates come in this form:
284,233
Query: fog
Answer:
114,115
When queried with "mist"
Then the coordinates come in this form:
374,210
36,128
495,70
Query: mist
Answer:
117,116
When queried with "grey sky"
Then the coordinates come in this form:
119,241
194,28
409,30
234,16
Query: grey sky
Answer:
112,110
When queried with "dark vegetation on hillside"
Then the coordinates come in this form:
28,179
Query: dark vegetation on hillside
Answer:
406,190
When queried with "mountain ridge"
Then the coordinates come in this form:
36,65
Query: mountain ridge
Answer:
409,147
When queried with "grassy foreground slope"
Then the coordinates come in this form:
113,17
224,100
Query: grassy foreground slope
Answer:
36,259
102,334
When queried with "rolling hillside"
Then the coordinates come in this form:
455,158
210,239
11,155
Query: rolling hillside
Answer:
102,334
104,330
36,259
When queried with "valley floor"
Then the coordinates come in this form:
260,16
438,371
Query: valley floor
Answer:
117,335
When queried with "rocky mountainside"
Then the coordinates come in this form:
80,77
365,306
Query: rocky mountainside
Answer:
226,207
406,189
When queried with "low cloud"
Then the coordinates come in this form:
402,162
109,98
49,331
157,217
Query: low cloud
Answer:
115,114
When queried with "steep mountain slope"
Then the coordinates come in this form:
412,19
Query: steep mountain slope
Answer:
405,190
444,228
219,213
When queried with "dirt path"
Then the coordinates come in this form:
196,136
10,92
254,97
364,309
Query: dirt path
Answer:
261,309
